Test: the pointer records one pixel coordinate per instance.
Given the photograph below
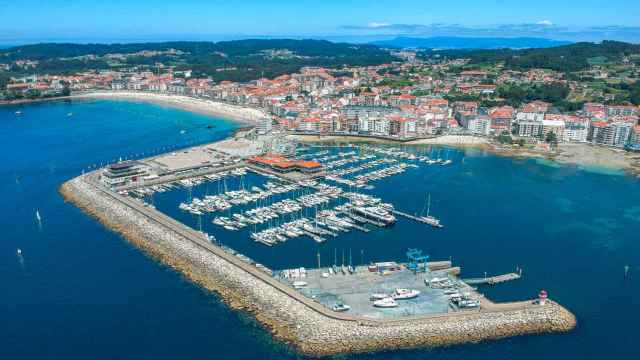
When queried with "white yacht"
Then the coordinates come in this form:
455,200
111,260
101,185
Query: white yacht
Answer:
378,296
405,294
385,303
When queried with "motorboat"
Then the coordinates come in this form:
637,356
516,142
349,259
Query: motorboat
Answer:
405,294
378,296
340,307
385,303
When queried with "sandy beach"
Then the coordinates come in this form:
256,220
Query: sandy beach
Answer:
454,140
586,156
202,106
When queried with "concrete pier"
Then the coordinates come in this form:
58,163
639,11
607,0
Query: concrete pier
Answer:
492,280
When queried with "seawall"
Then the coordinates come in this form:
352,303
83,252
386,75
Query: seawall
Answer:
309,330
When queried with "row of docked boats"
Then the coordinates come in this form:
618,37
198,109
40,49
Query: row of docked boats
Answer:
380,213
346,161
365,166
451,289
329,158
383,173
142,192
326,223
225,201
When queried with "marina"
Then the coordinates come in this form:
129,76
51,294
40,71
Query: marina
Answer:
234,207
270,210
241,213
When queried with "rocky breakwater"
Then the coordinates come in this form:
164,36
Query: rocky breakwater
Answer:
289,317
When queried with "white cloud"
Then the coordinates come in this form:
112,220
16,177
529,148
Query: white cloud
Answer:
378,25
545,23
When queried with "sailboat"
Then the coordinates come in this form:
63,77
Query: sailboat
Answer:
433,221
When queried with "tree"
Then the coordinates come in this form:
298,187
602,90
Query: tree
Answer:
505,138
552,138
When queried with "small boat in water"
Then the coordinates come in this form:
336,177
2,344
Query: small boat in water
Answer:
19,252
385,303
18,112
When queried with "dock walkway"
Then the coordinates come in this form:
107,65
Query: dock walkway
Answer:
409,216
363,219
493,279
361,228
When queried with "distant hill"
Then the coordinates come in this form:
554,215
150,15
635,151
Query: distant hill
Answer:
469,43
239,60
566,58
324,48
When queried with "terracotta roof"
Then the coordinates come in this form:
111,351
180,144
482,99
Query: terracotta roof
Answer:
279,161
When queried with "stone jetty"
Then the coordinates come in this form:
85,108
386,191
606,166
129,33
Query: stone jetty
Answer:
309,329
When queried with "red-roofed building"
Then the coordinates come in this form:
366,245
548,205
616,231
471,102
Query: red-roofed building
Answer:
282,164
501,118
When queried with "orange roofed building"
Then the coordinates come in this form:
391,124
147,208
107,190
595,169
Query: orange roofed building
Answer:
282,164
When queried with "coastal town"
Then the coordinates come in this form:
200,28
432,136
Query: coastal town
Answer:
405,100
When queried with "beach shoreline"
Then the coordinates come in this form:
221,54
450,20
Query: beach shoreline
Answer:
241,114
583,155
236,113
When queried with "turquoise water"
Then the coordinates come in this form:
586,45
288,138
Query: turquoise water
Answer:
79,291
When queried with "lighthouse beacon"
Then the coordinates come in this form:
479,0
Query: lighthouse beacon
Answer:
542,297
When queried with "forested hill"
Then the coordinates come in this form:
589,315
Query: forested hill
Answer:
574,57
239,60
312,48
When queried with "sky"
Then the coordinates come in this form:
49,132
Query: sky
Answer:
118,20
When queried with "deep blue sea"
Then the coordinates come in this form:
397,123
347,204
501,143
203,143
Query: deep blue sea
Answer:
81,292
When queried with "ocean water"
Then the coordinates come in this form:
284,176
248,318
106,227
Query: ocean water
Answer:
79,291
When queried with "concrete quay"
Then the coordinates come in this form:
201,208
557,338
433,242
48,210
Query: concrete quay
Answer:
306,325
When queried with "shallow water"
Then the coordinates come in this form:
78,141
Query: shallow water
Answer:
80,291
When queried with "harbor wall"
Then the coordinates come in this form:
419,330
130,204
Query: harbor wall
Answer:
307,329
